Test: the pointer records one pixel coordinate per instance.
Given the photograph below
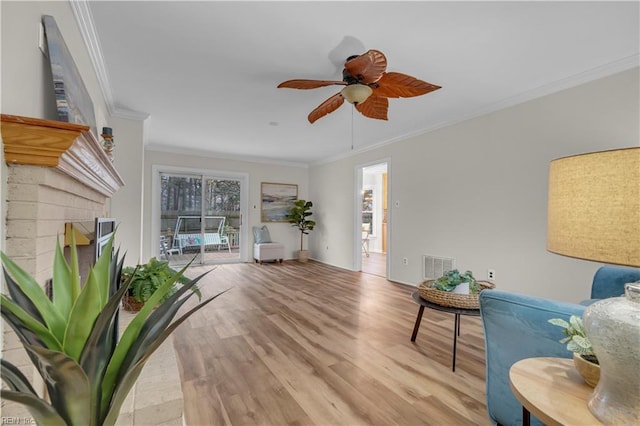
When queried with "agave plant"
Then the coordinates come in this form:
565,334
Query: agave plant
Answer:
73,342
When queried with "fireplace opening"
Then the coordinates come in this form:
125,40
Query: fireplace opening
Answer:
91,237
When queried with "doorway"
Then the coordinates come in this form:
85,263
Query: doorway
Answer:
373,218
200,217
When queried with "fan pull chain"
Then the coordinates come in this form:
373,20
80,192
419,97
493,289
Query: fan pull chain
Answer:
352,125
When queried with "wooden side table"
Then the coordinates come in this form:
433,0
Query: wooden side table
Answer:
552,390
456,323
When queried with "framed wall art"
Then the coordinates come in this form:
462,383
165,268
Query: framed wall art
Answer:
73,102
277,199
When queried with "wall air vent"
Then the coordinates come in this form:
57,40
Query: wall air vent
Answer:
434,267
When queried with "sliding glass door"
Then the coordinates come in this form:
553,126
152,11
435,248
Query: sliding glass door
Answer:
200,217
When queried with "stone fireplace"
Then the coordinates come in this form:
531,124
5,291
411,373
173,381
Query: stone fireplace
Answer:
57,173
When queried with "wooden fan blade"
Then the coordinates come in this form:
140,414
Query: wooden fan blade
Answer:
374,107
398,85
368,67
328,106
309,84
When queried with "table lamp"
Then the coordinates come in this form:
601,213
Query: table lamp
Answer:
594,214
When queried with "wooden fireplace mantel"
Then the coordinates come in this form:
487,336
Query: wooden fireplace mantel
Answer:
70,148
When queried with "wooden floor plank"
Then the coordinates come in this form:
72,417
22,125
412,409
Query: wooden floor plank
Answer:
311,344
384,405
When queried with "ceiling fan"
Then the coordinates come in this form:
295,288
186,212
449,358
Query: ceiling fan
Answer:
367,86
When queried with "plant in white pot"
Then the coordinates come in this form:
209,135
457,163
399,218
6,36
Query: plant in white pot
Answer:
299,217
72,338
457,282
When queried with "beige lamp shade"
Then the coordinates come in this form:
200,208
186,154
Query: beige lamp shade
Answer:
594,207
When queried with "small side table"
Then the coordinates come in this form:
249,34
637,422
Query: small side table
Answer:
456,325
552,390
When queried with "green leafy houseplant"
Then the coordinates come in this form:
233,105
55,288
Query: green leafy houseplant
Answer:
72,338
149,277
575,337
299,217
451,279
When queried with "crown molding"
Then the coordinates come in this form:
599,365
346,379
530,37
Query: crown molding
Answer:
84,19
596,73
129,114
223,156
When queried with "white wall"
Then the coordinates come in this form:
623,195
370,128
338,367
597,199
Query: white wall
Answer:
126,204
332,191
27,89
257,173
476,191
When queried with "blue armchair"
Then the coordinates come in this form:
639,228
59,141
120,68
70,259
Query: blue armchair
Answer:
516,327
609,281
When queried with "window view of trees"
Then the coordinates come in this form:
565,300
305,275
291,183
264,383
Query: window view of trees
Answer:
222,196
180,195
184,195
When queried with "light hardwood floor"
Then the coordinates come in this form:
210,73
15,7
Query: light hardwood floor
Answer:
310,344
375,263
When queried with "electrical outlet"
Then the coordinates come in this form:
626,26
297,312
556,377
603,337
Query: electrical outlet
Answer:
491,274
405,261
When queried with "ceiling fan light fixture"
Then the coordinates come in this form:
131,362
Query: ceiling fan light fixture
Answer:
366,85
356,93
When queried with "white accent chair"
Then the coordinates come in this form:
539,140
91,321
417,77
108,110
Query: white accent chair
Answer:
268,251
263,248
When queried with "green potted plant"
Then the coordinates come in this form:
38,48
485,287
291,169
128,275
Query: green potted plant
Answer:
457,282
72,338
299,217
146,279
584,358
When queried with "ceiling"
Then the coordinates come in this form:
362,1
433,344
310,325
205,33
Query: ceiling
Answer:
206,73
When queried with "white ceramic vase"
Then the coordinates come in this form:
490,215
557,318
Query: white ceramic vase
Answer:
613,327
462,288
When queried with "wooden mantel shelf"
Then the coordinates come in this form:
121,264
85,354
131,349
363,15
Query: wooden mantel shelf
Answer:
70,148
